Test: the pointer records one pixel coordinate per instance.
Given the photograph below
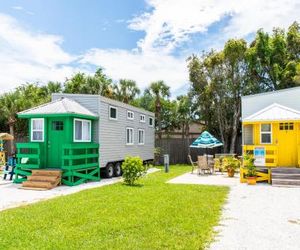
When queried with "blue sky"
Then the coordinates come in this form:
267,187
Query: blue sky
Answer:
42,40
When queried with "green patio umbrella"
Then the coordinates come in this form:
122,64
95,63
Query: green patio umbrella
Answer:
206,140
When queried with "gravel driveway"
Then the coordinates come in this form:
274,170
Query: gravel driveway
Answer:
255,217
12,196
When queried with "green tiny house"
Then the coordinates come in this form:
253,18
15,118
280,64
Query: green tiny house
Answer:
60,137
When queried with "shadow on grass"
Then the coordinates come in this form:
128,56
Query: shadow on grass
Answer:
135,185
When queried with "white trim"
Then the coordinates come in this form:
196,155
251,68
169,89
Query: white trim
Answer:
131,143
143,143
149,121
266,132
43,130
143,121
111,118
293,114
82,120
130,112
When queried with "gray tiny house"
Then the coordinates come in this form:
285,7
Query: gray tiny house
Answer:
83,134
121,130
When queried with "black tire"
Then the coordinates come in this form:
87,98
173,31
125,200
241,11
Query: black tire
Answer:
109,170
117,169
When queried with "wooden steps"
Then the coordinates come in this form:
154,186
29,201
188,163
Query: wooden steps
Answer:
287,177
43,179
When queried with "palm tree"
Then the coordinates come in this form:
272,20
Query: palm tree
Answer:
10,105
158,90
126,90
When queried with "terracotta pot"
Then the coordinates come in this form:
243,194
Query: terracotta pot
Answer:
251,180
230,172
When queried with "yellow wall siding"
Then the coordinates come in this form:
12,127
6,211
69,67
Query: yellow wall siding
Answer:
284,149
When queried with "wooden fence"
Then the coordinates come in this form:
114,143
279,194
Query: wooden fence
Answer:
178,149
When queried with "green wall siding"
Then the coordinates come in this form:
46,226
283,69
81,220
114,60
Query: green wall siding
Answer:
53,140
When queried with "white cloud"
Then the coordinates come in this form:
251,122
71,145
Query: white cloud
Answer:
169,23
25,56
141,67
17,7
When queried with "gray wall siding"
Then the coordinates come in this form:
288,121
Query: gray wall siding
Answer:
91,102
287,97
111,134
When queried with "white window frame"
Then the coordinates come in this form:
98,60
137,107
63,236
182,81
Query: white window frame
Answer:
74,131
266,132
152,122
143,130
141,120
129,143
111,118
130,112
43,130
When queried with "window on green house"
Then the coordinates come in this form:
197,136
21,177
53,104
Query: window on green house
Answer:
57,125
37,130
82,130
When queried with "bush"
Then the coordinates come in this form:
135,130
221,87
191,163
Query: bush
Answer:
230,163
133,169
249,165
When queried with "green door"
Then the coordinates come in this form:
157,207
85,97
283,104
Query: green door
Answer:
56,137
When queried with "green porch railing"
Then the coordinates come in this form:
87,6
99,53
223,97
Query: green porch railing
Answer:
28,158
80,163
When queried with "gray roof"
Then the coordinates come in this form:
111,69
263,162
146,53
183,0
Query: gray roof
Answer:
60,106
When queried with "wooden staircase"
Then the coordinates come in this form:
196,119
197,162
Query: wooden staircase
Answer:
288,177
43,179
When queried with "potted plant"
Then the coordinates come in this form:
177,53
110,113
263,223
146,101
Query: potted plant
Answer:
231,164
251,169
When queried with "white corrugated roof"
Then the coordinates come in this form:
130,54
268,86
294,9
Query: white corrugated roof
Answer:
60,106
274,112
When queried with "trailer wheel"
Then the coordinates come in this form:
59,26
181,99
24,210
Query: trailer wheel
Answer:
109,170
118,169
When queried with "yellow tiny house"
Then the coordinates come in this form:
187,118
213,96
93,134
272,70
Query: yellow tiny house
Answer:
272,136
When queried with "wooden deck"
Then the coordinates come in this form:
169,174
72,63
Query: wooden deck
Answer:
279,176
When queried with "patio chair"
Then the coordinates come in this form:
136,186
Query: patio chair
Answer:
203,165
193,163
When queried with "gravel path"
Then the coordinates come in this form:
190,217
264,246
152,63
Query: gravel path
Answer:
255,217
12,196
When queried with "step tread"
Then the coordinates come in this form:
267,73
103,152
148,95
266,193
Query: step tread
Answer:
37,184
47,172
34,188
43,178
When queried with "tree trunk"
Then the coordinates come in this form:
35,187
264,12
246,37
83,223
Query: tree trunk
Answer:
12,132
236,119
158,114
187,134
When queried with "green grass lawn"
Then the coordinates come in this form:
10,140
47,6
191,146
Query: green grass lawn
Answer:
154,215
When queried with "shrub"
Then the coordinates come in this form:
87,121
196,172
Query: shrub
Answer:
230,162
249,165
133,169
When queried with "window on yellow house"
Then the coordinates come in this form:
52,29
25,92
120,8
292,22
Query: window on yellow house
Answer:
286,126
266,133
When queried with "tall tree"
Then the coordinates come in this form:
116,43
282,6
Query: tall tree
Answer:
274,58
97,84
158,90
218,81
126,90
